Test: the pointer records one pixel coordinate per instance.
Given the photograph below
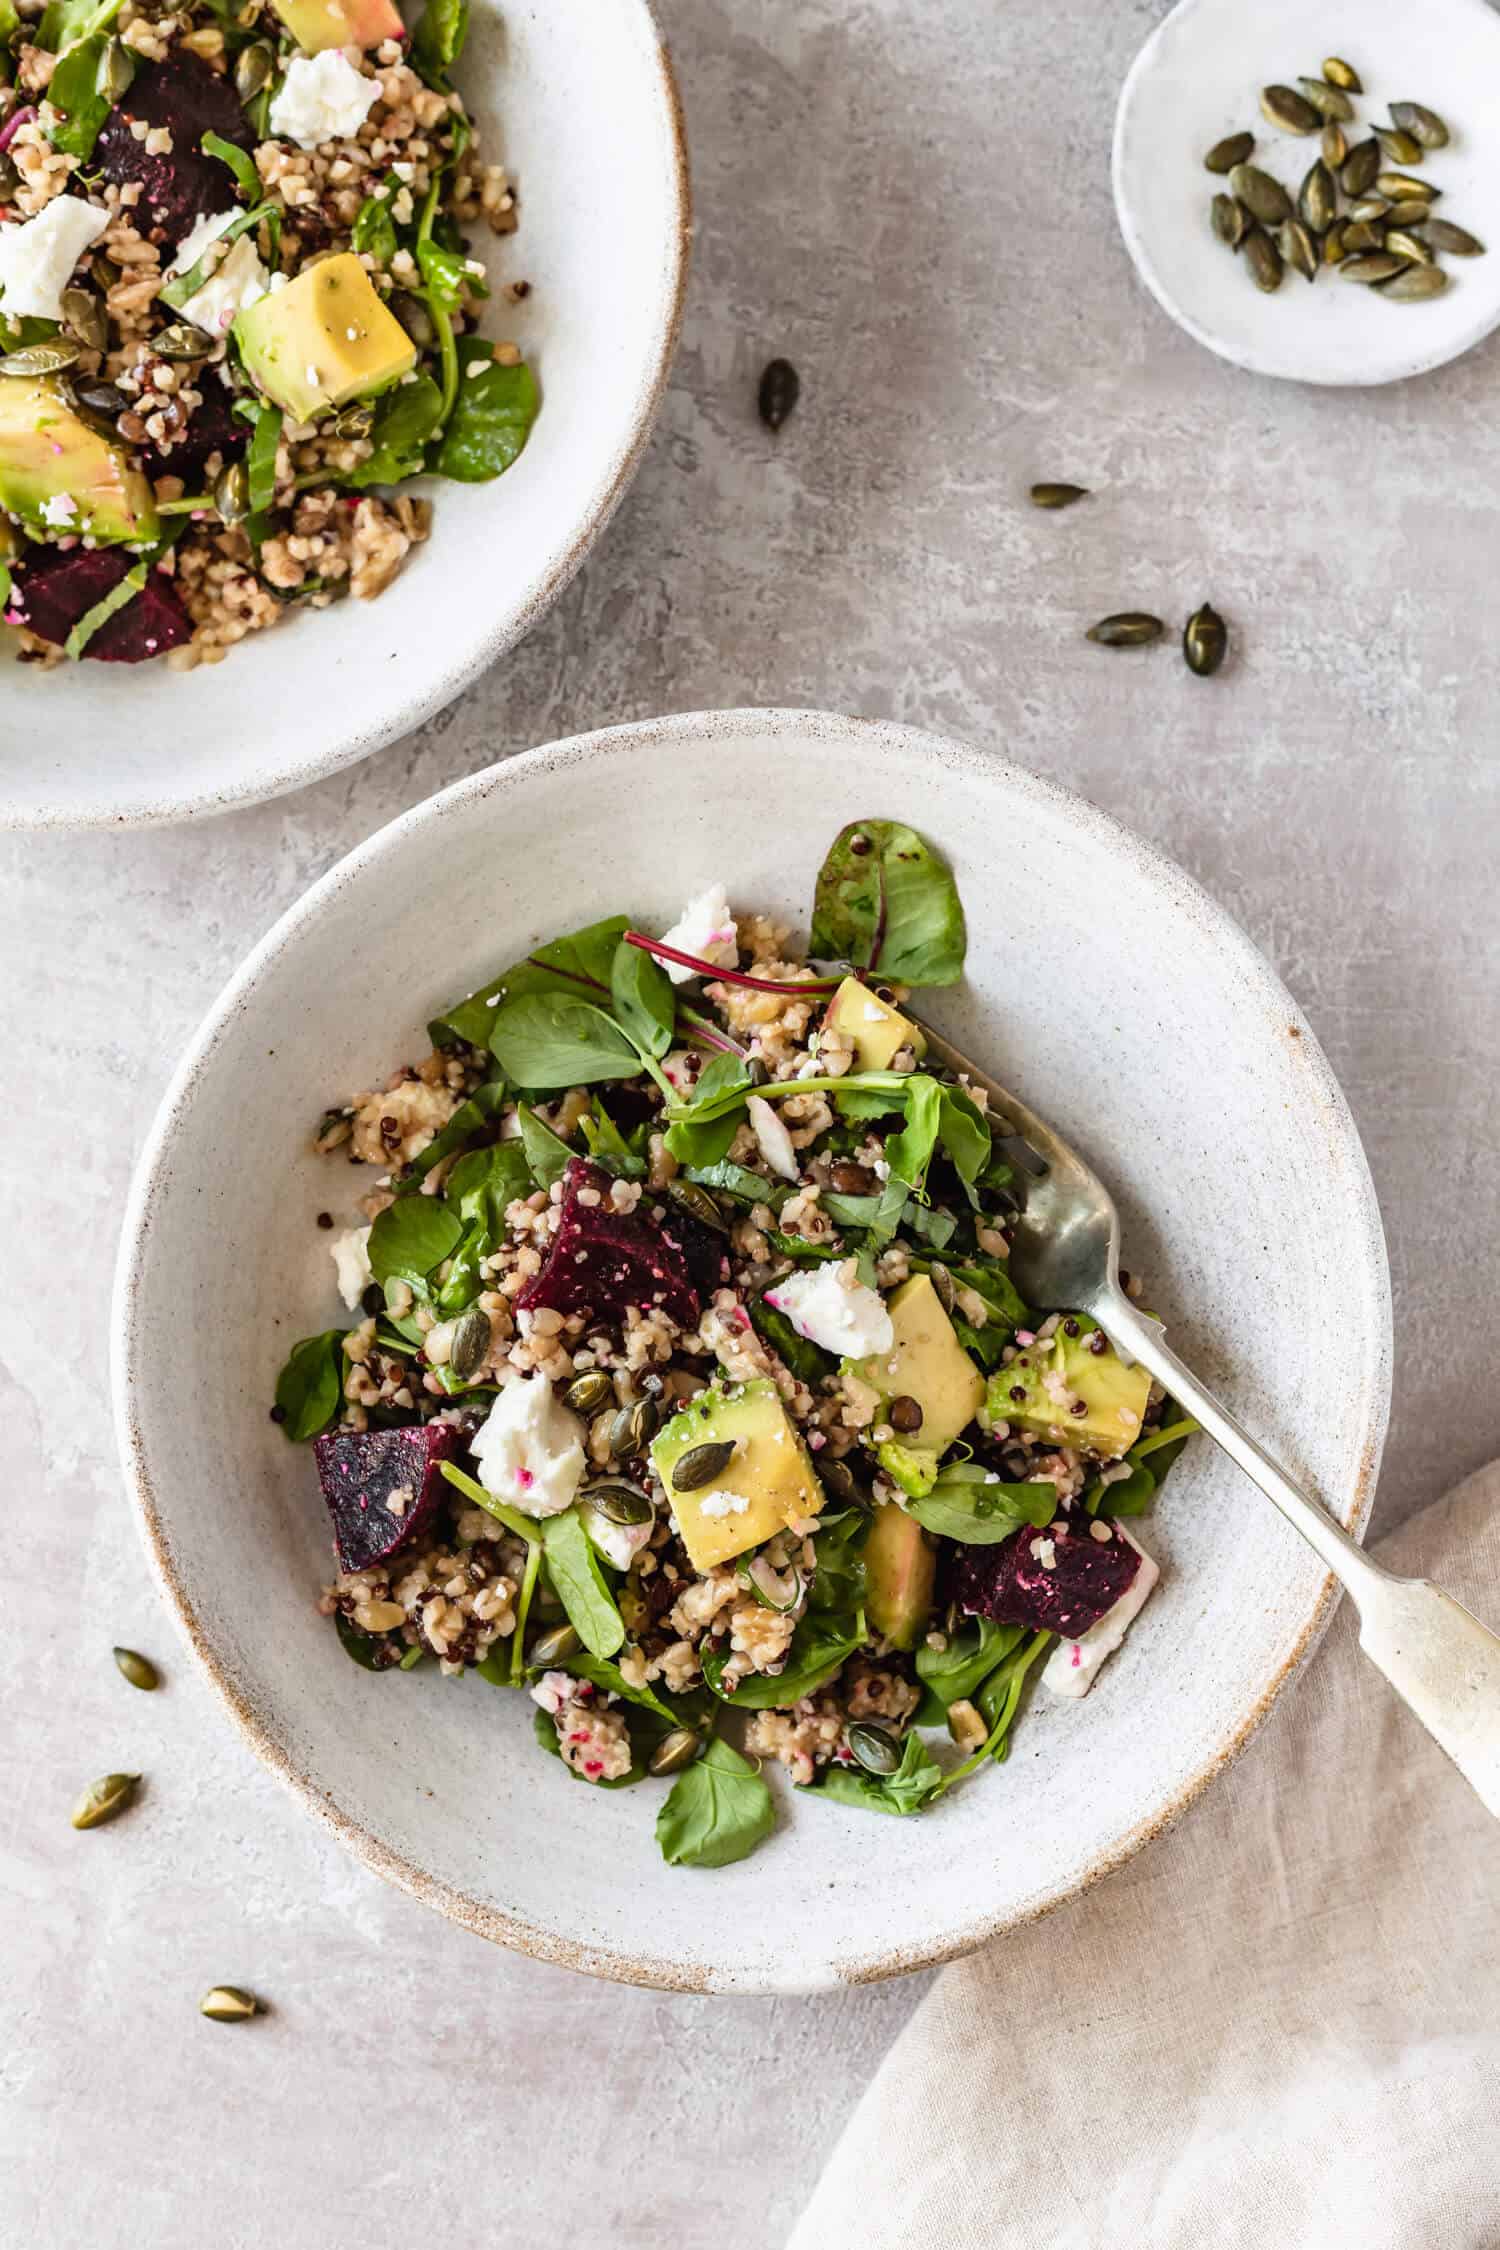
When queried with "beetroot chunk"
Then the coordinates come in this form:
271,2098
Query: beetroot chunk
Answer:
382,1487
1056,1581
214,428
54,591
187,97
603,1260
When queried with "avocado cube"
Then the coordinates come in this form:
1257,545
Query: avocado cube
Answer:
1074,1390
900,1569
767,1484
323,340
927,1364
876,1029
50,455
318,24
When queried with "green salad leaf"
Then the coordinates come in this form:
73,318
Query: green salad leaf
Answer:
1149,1462
438,40
580,1584
644,1000
807,1361
310,1387
548,1039
411,1238
547,1152
67,24
10,21
910,1151
483,1183
889,904
580,963
74,93
119,596
915,1782
608,1146
473,1116
965,1505
405,419
716,1813
374,233
956,1673
492,416
819,1646
744,1185
246,177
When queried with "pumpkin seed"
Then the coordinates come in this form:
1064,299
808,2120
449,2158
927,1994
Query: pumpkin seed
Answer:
1361,234
674,1751
137,1669
699,1203
253,69
232,492
1329,101
48,358
619,1502
1131,628
1230,219
1401,148
1225,154
1300,250
587,1393
1401,189
1205,641
1367,207
1415,285
112,79
353,422
1064,495
103,1799
1411,213
415,319
1335,146
1335,248
84,314
1457,241
1360,167
633,1428
1371,266
104,270
181,340
836,1476
1285,107
102,399
1402,244
10,177
469,1347
553,1647
1264,260
1264,198
780,389
877,1749
1424,125
228,2003
1342,74
701,1464
1318,199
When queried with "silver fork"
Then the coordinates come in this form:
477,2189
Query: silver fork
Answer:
1065,1257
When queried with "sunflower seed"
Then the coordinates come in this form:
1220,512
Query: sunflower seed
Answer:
1264,198
84,315
1424,125
112,79
1300,249
1368,207
48,358
674,1751
1456,241
1401,148
1205,641
618,1502
1372,266
780,389
1339,73
228,2003
1230,219
1414,285
701,1464
877,1749
1063,495
1318,199
1225,154
103,1799
588,1393
181,341
1335,146
1335,249
1360,167
137,1669
1285,107
1329,101
1363,234
1129,628
469,1344
253,69
1400,189
1264,260
554,1647
1402,244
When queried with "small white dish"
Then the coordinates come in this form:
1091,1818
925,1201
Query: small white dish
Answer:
1109,991
1199,77
579,102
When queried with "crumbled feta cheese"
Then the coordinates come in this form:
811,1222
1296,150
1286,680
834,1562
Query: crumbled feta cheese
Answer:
197,239
350,1252
38,256
554,1690
723,1504
60,510
322,98
618,1543
1071,1667
832,1307
774,1139
705,928
530,1449
239,281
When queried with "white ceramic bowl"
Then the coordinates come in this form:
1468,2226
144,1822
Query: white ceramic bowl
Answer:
1111,993
1199,77
578,100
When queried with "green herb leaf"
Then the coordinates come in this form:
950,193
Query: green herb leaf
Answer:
68,23
546,1152
891,907
806,1361
917,1779
177,291
438,40
374,229
491,419
310,1388
608,1146
964,1505
547,1039
482,1184
819,1646
405,419
644,999
956,1673
246,177
580,1584
745,1186
716,1813
119,597
74,94
411,1238
909,1152
476,1115
260,458
580,963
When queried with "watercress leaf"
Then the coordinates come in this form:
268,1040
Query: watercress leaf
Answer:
492,414
74,94
260,457
806,1361
438,40
548,1039
965,1138
743,1184
405,419
858,1102
246,177
716,1812
909,1152
310,1387
579,963
548,1155
411,1238
375,229
484,1182
580,1584
820,1644
608,1146
643,998
917,1778
964,1505
890,906
955,1674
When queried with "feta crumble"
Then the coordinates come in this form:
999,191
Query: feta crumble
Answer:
774,1141
350,1252
240,280
322,98
832,1307
38,256
723,1504
706,928
60,510
530,1449
1071,1668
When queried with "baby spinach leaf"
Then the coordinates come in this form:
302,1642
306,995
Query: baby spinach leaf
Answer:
492,413
856,1102
66,23
927,1223
547,1039
1149,1462
716,1813
964,1505
375,229
483,1183
608,1146
411,1238
838,1584
917,1779
989,1280
546,1152
889,904
310,1388
744,1185
965,1138
909,1152
438,40
580,1584
74,94
806,1360
405,419
362,1647
956,1673
444,275
819,1646
643,998
473,1116
999,1699
260,458
579,963
246,177
607,1675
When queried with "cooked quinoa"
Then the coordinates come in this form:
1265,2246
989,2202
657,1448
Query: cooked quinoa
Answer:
684,1375
199,431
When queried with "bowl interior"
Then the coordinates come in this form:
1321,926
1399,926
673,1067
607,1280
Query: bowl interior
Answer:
577,101
1109,992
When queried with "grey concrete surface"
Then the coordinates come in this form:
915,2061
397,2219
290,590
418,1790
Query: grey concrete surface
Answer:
913,204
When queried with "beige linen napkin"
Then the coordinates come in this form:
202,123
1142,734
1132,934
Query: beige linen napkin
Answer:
1277,2028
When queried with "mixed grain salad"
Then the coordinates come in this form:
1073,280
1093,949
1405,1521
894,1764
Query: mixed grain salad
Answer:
685,1391
238,313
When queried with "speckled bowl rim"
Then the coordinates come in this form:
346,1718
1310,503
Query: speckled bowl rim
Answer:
348,750
645,738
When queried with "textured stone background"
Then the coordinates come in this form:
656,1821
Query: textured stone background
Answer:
912,203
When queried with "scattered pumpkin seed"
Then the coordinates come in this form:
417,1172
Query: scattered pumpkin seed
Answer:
253,69
104,270
1364,234
102,1800
1335,146
699,1203
85,317
1300,250
1414,285
1264,260
1264,198
674,1751
415,318
137,1669
181,341
587,1393
228,2003
633,1428
1330,102
1403,244
1402,189
1230,219
1205,641
50,357
1370,266
469,1346
877,1749
101,398
116,71
1292,111
1360,167
1411,213
553,1647
353,422
1424,125
1128,628
619,1502
1342,74
1064,495
232,492
780,389
1335,249
1318,199
836,1476
1456,241
701,1464
1367,207
1238,148
1401,148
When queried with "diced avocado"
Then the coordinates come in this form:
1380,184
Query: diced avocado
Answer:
767,1483
1068,1391
912,1469
876,1029
49,452
927,1364
323,340
317,24
900,1566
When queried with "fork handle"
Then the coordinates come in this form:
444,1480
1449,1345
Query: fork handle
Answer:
1442,1662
